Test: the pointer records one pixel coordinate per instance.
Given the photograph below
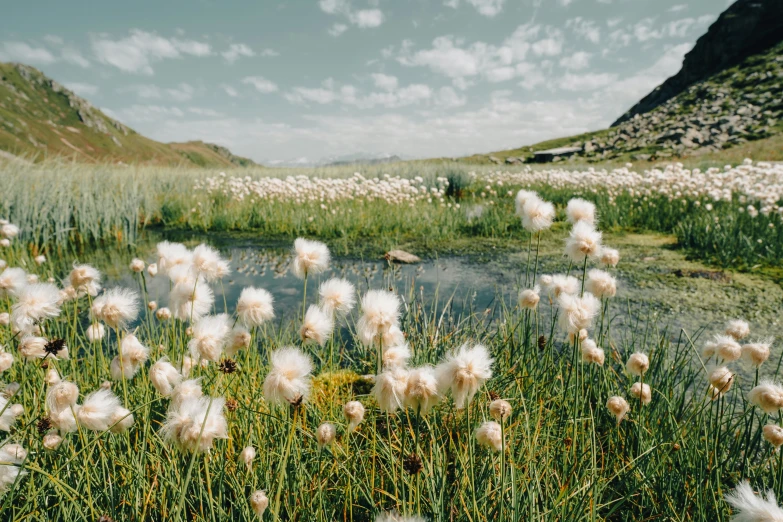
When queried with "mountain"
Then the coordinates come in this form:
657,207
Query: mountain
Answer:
728,94
40,118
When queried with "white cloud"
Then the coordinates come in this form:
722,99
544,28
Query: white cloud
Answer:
235,51
577,61
385,82
22,52
337,29
612,22
677,8
565,3
488,8
200,111
261,84
362,18
53,39
449,99
269,53
137,52
587,29
74,57
585,82
302,95
548,46
229,90
82,89
181,93
146,114
367,18
451,3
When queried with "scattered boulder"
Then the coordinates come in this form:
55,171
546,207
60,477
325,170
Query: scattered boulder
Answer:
401,256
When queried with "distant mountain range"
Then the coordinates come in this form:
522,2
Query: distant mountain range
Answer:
40,118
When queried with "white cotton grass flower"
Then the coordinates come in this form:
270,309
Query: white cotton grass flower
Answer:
32,279
5,319
582,335
32,347
317,326
577,313
128,362
52,377
354,414
64,420
721,380
579,209
709,349
499,410
463,372
182,274
207,263
163,314
421,392
288,380
40,259
152,306
751,508
396,356
521,198
62,396
97,410
529,297
258,503
609,256
389,389
196,423
238,339
85,279
618,407
137,265
189,301
186,365
325,434
392,337
164,376
6,361
12,456
380,312
52,441
171,255
12,281
255,307
152,269
738,329
591,353
310,258
95,332
490,435
116,307
727,349
637,364
186,390
247,455
537,215
583,242
755,354
35,303
9,230
210,335
642,391
773,434
9,414
121,420
559,284
601,284
768,396
11,388
337,296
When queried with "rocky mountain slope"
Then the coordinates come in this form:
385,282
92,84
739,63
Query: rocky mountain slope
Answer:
40,118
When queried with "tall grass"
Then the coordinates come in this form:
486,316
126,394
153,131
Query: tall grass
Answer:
565,457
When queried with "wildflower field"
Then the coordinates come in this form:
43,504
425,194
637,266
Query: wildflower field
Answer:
374,402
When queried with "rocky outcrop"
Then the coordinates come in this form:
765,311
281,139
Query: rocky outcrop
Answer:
746,28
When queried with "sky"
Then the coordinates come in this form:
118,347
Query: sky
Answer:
303,81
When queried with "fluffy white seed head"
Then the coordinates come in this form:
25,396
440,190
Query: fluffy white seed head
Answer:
618,406
389,389
289,377
421,392
186,390
521,198
325,434
499,410
751,508
137,265
207,263
721,380
738,329
577,313
171,255
768,396
35,303
559,284
317,326
601,284
591,353
583,242
255,307
85,280
396,356
529,297
238,339
121,420
490,435
537,215
609,256
642,392
258,503
97,410
210,335
164,376
191,301
727,349
96,332
12,281
637,364
773,434
163,314
62,395
579,209
117,307
463,372
247,455
32,347
152,269
354,414
310,258
9,230
196,423
52,441
338,296
6,361
380,311
756,354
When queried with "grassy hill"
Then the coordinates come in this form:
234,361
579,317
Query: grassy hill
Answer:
41,119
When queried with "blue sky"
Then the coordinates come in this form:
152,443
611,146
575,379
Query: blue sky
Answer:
302,80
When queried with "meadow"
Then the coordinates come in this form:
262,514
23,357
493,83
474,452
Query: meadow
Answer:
380,402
